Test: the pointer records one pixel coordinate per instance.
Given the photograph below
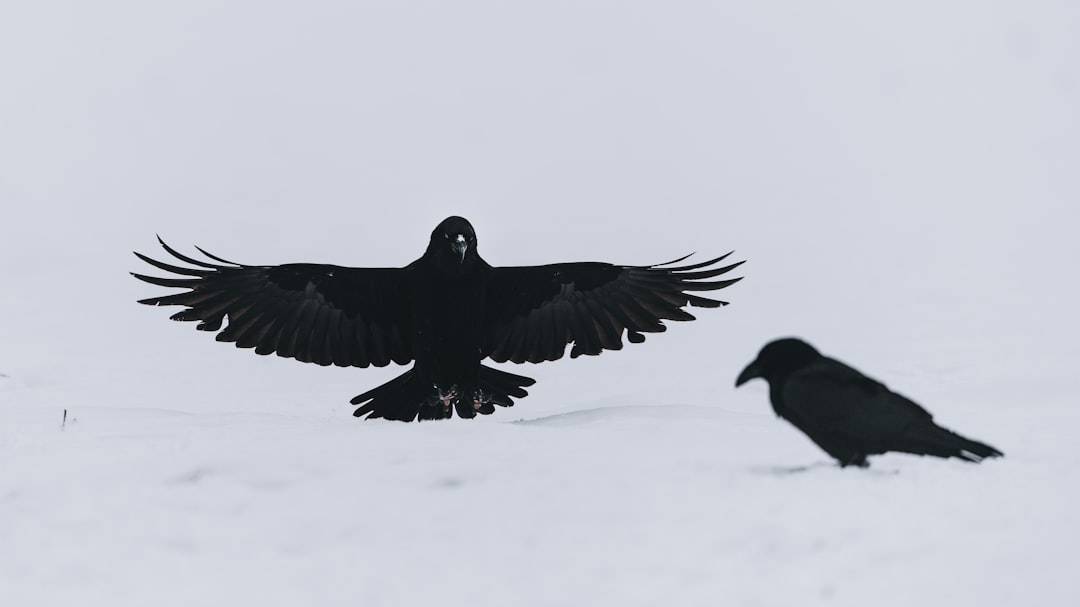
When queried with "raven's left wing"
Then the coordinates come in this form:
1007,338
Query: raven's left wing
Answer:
533,312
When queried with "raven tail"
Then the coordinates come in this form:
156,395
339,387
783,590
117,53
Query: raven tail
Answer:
932,439
408,397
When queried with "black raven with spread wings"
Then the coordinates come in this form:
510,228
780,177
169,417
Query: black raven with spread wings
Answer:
848,414
445,312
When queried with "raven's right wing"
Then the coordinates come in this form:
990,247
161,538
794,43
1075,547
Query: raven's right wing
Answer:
311,312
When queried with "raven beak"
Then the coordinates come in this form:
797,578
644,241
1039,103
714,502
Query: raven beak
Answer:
751,371
459,246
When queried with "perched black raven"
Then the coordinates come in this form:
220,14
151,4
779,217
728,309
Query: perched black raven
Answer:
848,414
446,311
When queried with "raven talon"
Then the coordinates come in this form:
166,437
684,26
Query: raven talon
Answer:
480,398
447,397
444,398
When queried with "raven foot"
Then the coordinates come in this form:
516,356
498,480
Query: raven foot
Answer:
481,399
446,399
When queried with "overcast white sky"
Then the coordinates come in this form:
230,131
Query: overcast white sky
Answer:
902,179
889,171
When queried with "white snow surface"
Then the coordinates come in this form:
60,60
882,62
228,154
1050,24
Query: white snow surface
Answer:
903,181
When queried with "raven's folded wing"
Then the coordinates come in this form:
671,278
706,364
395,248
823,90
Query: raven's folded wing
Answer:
834,397
837,405
314,313
533,312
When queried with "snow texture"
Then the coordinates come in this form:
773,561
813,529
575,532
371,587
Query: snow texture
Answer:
902,179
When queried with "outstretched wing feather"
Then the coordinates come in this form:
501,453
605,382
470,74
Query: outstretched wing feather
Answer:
533,313
315,313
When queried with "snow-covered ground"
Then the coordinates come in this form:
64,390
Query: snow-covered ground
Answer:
903,181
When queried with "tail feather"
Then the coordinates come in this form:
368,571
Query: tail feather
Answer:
932,439
398,399
408,397
501,382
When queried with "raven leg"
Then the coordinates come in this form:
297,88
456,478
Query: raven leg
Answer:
855,459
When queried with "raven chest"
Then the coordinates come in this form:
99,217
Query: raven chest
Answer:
448,315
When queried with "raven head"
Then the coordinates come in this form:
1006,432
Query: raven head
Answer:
777,359
453,239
